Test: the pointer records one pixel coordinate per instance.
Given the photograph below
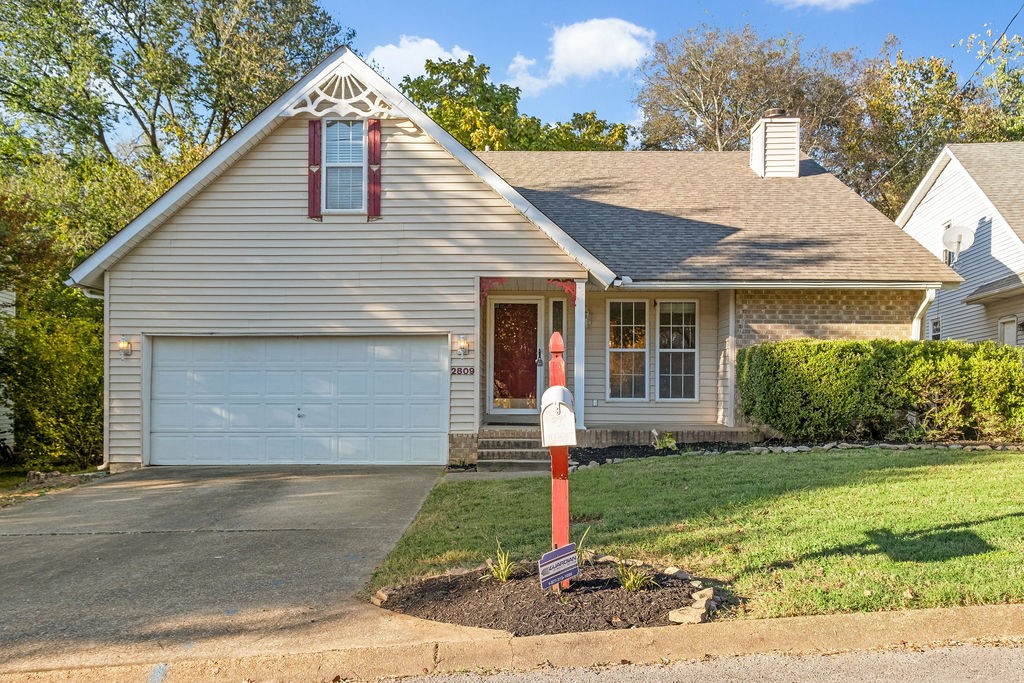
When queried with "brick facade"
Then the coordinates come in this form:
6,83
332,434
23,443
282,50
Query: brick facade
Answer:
462,448
780,314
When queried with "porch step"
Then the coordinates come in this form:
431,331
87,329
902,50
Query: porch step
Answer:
513,465
507,444
541,454
511,447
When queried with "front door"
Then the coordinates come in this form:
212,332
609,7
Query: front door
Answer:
516,356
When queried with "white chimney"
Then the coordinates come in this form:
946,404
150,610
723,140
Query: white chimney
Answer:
775,146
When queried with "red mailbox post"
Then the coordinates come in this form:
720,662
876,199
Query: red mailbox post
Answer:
559,457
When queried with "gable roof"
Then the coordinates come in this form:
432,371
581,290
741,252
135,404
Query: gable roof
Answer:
302,98
707,217
997,168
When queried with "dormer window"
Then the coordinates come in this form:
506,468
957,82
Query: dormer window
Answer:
344,157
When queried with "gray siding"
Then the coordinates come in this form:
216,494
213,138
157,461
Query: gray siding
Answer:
996,253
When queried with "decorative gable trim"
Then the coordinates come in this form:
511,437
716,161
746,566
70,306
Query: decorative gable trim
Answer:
343,95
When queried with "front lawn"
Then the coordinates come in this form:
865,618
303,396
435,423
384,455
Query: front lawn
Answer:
786,534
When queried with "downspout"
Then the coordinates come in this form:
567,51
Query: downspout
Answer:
917,330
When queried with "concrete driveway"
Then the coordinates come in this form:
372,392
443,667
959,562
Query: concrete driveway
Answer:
170,559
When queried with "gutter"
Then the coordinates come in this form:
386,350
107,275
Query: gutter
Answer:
917,329
623,283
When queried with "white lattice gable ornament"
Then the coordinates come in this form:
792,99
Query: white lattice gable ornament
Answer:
343,95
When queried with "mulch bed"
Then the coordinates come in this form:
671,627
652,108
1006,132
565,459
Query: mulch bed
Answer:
595,602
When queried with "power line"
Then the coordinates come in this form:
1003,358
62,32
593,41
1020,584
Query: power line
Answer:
962,92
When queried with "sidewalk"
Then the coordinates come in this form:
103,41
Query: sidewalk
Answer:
363,642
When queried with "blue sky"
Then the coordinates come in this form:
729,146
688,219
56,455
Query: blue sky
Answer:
574,56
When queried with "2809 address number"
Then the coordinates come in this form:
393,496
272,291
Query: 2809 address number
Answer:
463,371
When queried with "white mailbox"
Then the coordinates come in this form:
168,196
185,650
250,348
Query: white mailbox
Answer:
557,418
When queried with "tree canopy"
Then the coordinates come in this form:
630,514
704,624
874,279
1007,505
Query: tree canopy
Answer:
480,114
876,122
159,73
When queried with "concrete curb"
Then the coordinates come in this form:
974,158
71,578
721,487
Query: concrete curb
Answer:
491,650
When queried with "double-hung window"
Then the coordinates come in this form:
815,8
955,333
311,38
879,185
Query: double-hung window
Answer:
344,166
627,349
677,350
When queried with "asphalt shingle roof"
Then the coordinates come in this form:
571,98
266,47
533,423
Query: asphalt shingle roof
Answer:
664,216
998,169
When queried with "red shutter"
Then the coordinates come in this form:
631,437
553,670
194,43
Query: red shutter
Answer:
373,169
315,170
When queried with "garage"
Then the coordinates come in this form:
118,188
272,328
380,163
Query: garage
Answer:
298,400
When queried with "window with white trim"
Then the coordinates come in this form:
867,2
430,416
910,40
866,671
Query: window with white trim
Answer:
1008,331
344,166
677,350
627,349
936,329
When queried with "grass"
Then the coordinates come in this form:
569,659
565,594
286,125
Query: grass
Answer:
10,477
786,534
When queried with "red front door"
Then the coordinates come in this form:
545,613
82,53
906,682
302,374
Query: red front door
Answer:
514,372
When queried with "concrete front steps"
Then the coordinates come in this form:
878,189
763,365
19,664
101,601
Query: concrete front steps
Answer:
511,447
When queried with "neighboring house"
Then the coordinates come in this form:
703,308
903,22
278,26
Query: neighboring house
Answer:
973,192
342,281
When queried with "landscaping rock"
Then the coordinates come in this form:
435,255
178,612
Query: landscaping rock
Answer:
685,615
789,449
706,594
704,606
803,449
829,446
696,584
843,446
759,450
775,449
982,448
955,447
677,572
379,598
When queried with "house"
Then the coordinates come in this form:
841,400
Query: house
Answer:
343,282
968,210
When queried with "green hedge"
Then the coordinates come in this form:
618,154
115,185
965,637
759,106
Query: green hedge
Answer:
884,389
51,379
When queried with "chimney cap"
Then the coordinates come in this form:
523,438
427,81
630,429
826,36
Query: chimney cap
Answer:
774,113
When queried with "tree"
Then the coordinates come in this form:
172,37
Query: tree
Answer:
459,95
907,110
1003,76
705,89
167,72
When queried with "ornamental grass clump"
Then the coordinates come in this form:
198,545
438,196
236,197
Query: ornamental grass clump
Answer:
502,568
635,578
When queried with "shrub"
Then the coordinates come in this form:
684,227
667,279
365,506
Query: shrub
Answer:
819,390
51,378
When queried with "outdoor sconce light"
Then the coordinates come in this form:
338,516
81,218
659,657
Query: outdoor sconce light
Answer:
124,345
463,346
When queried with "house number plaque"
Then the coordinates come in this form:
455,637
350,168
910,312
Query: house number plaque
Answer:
464,371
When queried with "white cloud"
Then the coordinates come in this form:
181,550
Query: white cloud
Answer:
827,5
584,50
407,58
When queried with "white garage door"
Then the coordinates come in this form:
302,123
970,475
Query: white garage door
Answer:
302,400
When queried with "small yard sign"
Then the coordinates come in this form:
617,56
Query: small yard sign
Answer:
558,565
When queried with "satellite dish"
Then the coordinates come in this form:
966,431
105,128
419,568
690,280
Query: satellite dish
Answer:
957,238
